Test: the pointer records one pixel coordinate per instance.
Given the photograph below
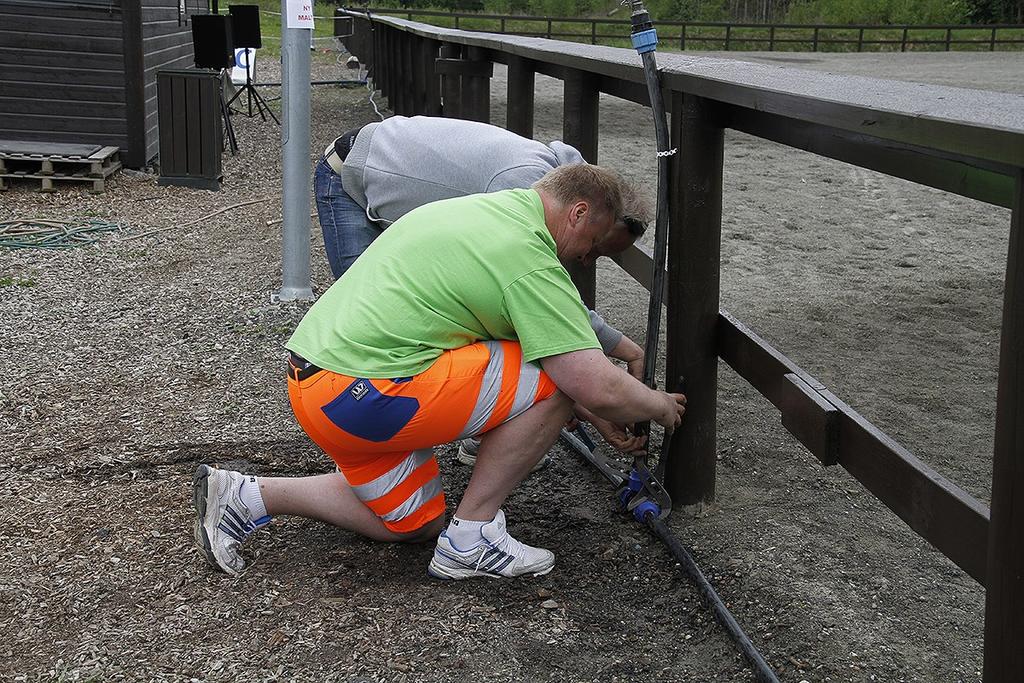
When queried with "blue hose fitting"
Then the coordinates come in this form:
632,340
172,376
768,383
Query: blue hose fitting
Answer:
641,511
629,489
644,41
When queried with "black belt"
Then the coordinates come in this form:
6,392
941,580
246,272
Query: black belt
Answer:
336,152
299,368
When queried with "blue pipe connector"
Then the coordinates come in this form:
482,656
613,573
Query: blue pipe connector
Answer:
645,508
645,41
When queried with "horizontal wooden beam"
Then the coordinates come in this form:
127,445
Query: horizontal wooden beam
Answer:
972,178
464,67
939,511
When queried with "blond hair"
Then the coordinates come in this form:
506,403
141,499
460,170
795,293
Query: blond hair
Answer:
636,211
603,189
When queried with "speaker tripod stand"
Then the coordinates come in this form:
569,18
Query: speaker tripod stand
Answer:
252,95
225,111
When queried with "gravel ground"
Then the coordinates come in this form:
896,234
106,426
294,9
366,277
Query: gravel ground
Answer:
129,362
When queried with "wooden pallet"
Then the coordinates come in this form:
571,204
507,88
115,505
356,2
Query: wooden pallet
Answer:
94,165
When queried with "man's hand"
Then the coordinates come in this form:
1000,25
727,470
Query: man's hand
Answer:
619,436
675,406
630,352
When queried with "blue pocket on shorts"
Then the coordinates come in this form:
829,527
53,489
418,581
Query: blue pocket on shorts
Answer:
362,411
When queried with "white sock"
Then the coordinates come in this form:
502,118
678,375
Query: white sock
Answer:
464,533
251,497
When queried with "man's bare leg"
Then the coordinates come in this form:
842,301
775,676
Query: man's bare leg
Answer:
508,453
330,499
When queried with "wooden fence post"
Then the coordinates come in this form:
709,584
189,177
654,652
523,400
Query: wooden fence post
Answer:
380,69
771,39
451,84
682,38
519,101
860,40
392,62
375,47
694,263
992,42
903,42
476,90
431,81
1004,587
949,36
407,95
579,128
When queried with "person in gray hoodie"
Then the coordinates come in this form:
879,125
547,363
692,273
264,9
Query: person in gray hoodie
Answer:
371,176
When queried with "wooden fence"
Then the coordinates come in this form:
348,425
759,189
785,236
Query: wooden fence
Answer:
970,143
711,35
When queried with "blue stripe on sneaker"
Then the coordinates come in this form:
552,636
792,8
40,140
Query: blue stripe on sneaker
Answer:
495,558
507,562
228,522
240,521
230,532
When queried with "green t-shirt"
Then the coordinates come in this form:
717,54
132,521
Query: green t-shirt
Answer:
443,276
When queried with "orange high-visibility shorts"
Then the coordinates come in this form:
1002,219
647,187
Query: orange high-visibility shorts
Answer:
381,432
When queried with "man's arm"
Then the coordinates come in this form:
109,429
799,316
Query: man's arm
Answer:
617,345
594,382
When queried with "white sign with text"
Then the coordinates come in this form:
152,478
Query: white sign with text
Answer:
300,14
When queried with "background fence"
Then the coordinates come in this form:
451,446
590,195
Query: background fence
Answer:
737,36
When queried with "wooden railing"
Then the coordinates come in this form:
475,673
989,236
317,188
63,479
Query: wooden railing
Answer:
970,143
713,35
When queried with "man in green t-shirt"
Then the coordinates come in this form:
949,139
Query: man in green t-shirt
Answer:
472,327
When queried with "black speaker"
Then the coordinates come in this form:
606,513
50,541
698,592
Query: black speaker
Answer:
245,25
212,47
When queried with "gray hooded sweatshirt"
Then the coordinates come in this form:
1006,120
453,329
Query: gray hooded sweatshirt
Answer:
401,163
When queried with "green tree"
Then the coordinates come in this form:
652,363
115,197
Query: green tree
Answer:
996,11
879,12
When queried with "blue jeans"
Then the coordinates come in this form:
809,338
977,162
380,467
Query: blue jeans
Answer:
347,230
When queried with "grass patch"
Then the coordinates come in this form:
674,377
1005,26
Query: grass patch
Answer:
8,281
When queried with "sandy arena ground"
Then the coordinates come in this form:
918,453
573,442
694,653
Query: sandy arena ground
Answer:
127,363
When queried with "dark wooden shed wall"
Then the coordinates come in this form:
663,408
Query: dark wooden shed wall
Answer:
81,72
61,72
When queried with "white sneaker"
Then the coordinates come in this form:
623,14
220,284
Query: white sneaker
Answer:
468,449
498,555
222,520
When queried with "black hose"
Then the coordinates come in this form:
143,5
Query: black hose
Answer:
661,221
762,671
656,300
